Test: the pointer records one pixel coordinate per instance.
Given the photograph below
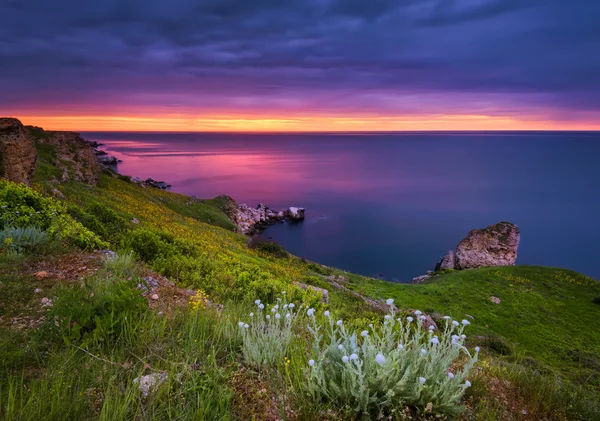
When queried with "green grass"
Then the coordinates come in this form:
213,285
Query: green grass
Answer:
546,313
542,334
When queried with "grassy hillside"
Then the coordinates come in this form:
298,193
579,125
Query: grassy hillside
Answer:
540,354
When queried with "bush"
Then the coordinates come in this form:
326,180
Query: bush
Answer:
268,333
122,265
398,363
66,229
150,245
103,221
22,239
22,207
256,242
99,310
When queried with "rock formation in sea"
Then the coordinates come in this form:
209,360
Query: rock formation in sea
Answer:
495,245
254,220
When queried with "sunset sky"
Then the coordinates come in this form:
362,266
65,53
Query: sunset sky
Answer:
307,65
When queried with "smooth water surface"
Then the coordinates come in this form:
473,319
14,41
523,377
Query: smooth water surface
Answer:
391,205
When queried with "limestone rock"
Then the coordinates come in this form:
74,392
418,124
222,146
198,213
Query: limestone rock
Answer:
150,382
17,151
448,262
251,221
294,214
495,245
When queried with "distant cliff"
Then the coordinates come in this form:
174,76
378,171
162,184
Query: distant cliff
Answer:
20,146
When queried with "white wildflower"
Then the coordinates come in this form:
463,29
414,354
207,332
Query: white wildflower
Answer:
278,316
410,319
389,301
276,307
435,340
285,306
310,311
246,326
241,324
466,322
268,317
251,314
291,305
257,302
467,383
371,325
339,323
477,349
326,313
353,357
287,316
273,310
450,375
283,292
261,306
454,323
431,327
423,351
463,336
387,317
345,359
400,346
364,333
447,317
311,362
380,359
340,347
422,380
418,312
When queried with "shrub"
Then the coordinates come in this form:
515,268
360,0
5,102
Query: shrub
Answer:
99,310
391,365
121,264
268,332
148,245
266,246
22,239
66,229
103,221
21,207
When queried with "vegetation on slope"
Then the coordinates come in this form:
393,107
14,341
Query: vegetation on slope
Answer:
78,358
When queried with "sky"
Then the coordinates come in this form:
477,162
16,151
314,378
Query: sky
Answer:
302,65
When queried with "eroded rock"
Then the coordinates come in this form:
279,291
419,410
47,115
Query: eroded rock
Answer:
495,245
17,151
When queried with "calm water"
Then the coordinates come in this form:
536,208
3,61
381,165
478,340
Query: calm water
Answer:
391,205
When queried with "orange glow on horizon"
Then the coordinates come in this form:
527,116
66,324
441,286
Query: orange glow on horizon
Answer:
246,123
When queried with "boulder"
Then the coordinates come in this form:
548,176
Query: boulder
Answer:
495,245
294,214
17,151
106,160
448,262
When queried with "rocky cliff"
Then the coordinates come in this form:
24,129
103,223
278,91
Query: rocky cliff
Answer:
495,245
20,146
17,151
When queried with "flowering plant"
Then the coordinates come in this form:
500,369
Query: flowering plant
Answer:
268,331
399,362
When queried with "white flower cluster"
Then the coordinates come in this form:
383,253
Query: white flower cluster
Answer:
377,359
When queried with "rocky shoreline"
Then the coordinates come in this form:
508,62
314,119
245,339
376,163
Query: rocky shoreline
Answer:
250,221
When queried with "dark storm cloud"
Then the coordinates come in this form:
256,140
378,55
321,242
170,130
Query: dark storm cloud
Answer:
363,55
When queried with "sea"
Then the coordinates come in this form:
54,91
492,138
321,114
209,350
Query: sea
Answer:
390,205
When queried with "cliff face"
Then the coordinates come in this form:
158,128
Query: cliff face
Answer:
17,151
73,156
